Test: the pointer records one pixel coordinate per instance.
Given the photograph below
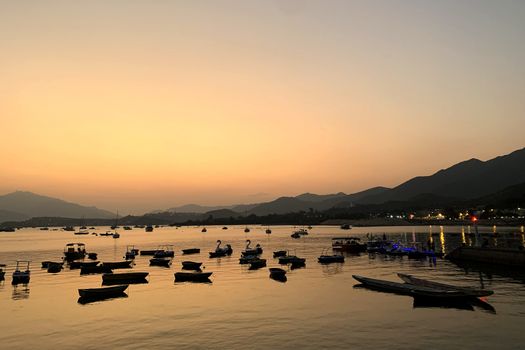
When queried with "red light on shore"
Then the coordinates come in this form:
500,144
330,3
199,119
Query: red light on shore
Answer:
474,219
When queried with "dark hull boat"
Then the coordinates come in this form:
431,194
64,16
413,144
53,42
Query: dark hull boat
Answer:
191,265
45,264
291,259
92,256
74,251
86,270
80,264
164,254
54,267
192,276
148,252
328,259
425,283
191,251
118,265
279,253
257,264
165,262
278,274
104,292
411,289
127,278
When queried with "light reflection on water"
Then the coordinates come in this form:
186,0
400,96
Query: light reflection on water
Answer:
318,306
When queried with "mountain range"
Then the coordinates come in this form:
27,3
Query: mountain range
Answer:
500,180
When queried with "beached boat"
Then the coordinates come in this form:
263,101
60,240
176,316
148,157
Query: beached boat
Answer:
191,251
411,289
74,251
124,277
328,259
80,264
86,270
426,283
103,292
348,244
192,276
118,264
191,265
165,262
220,252
21,276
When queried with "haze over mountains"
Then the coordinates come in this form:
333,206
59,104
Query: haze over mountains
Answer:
497,179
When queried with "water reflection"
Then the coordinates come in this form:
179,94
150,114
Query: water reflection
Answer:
20,292
331,269
460,304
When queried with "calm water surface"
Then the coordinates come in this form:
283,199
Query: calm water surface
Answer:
318,307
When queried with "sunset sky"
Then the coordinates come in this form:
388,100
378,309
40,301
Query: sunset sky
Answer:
141,105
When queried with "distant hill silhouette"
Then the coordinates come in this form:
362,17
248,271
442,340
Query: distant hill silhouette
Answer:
466,180
22,205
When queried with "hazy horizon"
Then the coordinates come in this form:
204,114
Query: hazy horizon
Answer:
147,105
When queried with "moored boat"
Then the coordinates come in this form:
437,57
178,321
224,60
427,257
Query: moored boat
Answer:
279,253
103,292
54,267
192,276
278,274
191,265
2,271
220,252
165,262
328,259
191,251
431,284
248,251
348,244
86,270
79,264
118,264
164,251
74,251
257,264
21,276
127,277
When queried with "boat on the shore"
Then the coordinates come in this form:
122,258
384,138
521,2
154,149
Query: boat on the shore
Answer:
193,276
431,284
104,292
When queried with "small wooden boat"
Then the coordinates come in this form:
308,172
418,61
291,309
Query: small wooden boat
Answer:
118,264
124,277
268,231
191,265
127,228
103,292
54,267
80,264
86,270
278,274
328,259
411,289
20,276
257,264
164,251
279,253
192,276
92,256
106,234
148,252
425,283
191,251
116,235
166,262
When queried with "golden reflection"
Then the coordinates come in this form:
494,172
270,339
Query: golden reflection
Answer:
494,230
442,241
522,229
523,239
468,229
463,239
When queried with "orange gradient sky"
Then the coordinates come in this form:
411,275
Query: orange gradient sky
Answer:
140,105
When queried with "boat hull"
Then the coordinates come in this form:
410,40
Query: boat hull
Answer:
103,292
192,276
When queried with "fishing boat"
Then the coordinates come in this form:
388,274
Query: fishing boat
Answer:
103,292
126,264
220,252
20,276
411,289
193,276
2,271
328,259
86,270
165,262
191,265
83,229
74,251
73,265
425,283
191,251
128,277
164,251
54,267
348,244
